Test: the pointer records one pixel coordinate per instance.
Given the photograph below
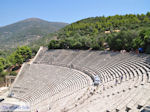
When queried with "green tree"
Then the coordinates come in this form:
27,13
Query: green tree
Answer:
24,52
21,55
54,44
95,45
77,45
123,40
13,73
148,14
3,60
18,59
136,43
1,67
145,39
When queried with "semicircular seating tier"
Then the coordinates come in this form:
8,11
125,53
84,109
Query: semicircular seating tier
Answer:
62,80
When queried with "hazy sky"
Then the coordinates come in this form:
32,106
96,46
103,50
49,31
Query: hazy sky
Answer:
67,10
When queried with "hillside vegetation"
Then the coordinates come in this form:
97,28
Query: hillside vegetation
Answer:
26,31
118,32
11,63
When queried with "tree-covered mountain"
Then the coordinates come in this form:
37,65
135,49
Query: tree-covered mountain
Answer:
117,32
96,25
26,31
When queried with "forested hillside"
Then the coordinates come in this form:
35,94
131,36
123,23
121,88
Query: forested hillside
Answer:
119,32
96,25
26,31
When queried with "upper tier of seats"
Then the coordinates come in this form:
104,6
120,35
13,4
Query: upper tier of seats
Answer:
108,65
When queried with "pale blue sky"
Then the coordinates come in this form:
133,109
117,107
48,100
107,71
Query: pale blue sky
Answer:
67,10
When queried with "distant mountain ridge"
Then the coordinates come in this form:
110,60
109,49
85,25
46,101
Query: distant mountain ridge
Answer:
26,31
